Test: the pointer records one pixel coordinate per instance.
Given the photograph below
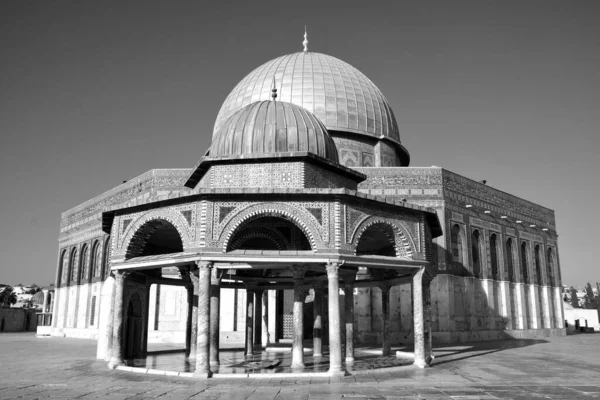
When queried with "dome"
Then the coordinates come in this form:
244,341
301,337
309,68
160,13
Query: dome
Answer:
342,97
268,127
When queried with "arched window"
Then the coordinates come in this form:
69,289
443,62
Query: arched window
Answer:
83,264
524,265
96,259
476,253
538,266
64,268
72,266
494,256
105,267
456,245
509,260
550,266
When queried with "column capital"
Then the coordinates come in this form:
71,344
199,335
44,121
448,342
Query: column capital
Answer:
184,273
250,286
318,285
385,287
120,274
298,271
349,278
204,264
216,276
333,268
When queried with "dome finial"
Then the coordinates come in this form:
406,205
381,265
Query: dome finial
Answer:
305,42
273,89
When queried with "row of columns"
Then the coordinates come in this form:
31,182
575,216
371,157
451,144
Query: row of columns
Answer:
202,336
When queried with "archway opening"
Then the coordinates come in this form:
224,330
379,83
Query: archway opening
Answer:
153,238
378,240
271,232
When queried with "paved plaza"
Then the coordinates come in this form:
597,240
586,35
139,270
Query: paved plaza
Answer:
554,368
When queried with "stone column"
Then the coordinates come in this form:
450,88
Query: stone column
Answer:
349,312
265,339
117,336
215,315
203,335
249,320
258,319
194,313
335,346
110,321
184,273
386,328
427,322
418,319
298,340
318,323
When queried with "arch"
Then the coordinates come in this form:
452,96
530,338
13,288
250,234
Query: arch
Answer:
274,236
457,245
402,241
173,217
84,264
62,271
105,253
96,259
524,264
550,266
156,236
510,261
538,265
302,219
72,266
494,256
476,253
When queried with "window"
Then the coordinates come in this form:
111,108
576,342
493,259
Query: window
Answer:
93,310
524,262
509,261
96,260
476,253
538,266
494,256
106,269
456,244
83,268
72,266
550,267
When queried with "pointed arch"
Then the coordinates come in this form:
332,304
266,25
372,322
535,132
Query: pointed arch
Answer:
403,243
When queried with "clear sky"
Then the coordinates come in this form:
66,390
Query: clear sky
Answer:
96,92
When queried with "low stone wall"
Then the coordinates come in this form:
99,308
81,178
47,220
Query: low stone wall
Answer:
17,320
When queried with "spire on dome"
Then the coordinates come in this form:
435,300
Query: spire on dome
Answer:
273,89
305,42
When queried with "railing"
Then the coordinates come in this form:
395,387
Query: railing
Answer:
44,319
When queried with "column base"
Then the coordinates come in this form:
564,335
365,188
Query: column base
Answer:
114,363
336,373
298,366
203,375
215,363
318,355
421,364
349,359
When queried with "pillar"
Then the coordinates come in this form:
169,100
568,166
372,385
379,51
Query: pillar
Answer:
203,335
298,340
249,320
335,347
386,328
117,331
215,316
194,313
318,323
349,313
418,319
258,319
427,322
265,338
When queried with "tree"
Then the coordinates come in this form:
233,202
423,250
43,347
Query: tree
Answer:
8,297
589,299
574,299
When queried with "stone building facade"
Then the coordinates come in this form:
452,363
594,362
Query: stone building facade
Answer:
306,185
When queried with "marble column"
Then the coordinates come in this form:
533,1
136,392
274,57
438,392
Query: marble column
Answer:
215,315
298,339
349,313
318,323
184,273
418,319
194,314
265,338
386,328
117,336
335,346
249,320
258,319
110,321
427,322
203,335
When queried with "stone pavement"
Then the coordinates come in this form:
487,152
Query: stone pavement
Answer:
554,368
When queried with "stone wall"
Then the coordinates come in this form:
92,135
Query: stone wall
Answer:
17,320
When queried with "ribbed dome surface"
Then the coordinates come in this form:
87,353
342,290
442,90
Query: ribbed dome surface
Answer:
342,97
268,127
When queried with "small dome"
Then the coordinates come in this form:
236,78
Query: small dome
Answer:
270,127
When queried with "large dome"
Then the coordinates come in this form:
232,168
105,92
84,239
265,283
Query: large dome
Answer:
272,127
342,97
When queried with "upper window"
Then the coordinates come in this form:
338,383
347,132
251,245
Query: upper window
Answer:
476,253
494,255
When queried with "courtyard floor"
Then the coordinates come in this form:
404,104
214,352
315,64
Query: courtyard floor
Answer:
555,368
